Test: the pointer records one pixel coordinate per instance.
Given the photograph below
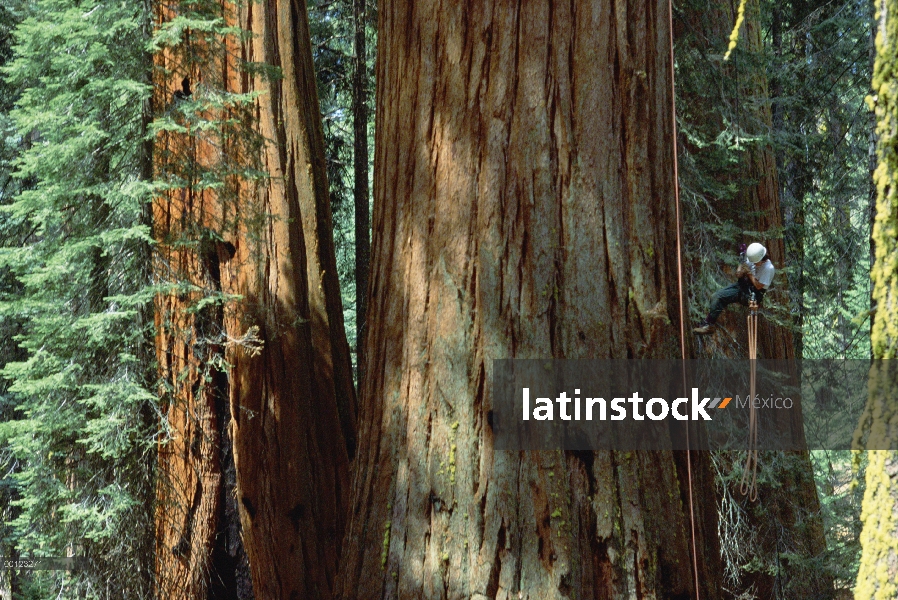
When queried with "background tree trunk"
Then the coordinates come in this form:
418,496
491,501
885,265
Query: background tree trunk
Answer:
360,170
523,208
787,515
758,206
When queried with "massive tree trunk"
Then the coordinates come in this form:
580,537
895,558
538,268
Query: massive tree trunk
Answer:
260,384
785,523
878,575
194,391
523,208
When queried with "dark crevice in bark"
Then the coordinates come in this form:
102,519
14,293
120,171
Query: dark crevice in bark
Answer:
493,580
230,576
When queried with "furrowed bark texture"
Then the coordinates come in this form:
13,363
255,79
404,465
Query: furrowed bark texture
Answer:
272,424
523,208
189,514
189,490
293,405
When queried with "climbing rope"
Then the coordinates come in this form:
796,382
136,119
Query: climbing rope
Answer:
749,485
676,179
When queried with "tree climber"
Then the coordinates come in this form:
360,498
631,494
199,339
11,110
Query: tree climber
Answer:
755,275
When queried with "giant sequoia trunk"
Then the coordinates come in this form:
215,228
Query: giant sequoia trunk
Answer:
261,404
786,526
191,512
758,206
523,208
293,406
755,209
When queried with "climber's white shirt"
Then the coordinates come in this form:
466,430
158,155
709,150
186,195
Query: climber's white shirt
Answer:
763,272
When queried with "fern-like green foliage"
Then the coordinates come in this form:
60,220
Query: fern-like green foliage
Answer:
76,434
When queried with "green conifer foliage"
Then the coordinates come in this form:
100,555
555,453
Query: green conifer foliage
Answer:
79,430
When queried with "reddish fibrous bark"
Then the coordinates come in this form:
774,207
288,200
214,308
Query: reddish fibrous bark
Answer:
188,513
293,405
523,207
266,377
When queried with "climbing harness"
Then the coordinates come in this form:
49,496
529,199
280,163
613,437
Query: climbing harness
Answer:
749,484
676,181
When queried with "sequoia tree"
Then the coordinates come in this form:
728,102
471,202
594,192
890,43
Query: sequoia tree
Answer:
523,207
746,198
740,195
260,399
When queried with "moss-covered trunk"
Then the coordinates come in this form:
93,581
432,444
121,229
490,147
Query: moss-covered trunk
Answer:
523,207
878,575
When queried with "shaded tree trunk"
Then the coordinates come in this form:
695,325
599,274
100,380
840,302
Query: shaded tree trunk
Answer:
788,513
360,166
523,208
294,404
871,166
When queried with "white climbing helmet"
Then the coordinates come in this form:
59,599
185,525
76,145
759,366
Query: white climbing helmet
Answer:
755,252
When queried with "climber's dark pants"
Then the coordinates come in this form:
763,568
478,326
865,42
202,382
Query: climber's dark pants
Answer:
738,292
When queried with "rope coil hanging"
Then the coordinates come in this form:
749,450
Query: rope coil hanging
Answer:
749,484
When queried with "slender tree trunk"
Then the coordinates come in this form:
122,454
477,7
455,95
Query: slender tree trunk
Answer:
360,165
260,385
146,349
871,166
877,577
792,190
293,405
523,208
